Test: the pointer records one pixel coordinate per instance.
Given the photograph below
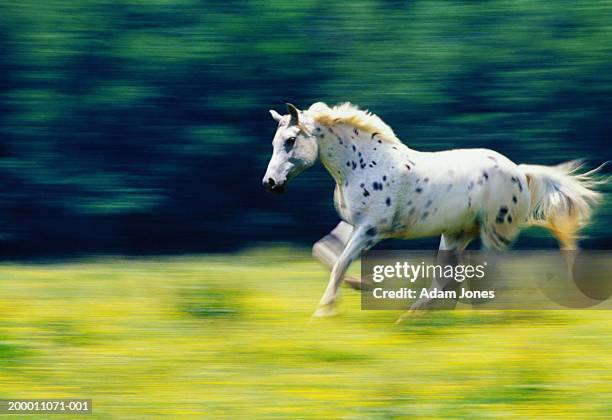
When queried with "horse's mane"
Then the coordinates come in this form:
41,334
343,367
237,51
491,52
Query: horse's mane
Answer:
350,114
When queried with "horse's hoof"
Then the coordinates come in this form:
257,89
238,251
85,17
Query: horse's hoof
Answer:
420,306
325,311
408,314
356,283
402,318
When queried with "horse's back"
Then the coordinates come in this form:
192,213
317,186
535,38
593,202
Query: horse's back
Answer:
496,192
452,191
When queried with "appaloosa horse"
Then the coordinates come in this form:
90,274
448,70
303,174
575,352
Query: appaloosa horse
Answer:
384,189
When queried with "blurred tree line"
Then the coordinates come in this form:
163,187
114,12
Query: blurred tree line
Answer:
142,126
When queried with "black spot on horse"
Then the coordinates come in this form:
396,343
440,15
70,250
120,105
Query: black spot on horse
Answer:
509,219
371,231
346,183
362,185
485,175
424,216
379,142
377,186
407,167
374,162
394,147
501,215
348,164
366,192
426,179
388,201
354,148
514,199
428,203
384,177
419,189
355,131
354,164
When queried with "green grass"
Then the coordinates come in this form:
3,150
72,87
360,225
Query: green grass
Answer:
232,336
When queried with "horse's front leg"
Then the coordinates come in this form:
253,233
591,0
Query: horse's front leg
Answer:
328,249
362,238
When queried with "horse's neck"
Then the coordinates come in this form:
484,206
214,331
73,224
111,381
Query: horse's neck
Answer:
348,153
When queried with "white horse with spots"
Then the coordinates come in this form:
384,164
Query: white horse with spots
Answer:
384,189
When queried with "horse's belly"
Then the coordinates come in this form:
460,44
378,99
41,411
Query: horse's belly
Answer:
435,221
438,209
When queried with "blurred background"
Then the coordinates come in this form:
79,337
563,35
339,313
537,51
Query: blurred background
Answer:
142,126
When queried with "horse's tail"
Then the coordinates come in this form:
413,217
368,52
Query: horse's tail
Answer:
562,200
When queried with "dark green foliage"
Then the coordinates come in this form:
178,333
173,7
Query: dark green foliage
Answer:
143,127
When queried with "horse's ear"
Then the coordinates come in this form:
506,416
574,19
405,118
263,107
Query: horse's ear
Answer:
278,117
293,111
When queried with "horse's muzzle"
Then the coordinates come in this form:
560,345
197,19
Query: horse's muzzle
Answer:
274,187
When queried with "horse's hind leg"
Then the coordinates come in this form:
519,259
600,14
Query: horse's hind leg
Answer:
452,246
503,211
328,249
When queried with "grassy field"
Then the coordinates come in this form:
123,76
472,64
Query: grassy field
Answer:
232,336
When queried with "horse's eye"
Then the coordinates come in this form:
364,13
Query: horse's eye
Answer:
290,141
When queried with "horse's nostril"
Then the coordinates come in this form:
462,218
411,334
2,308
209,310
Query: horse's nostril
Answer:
271,182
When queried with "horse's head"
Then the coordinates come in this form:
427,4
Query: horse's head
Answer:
294,149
